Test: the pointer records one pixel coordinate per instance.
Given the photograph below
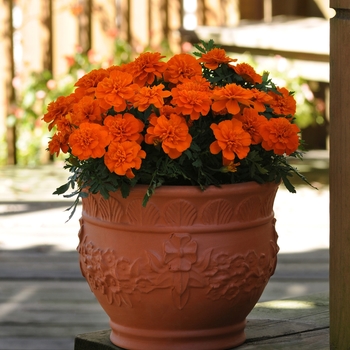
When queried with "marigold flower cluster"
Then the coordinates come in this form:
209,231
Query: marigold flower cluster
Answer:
193,118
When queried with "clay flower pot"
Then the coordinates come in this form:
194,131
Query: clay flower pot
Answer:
184,271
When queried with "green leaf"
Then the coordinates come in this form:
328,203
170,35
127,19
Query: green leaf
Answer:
288,184
125,189
62,189
197,163
195,147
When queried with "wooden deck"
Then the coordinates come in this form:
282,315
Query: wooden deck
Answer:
298,323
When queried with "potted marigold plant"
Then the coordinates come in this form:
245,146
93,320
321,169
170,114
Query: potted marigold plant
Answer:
178,164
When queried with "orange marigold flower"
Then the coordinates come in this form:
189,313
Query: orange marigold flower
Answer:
171,132
64,124
195,83
251,123
87,84
124,127
283,103
86,110
280,135
247,72
192,98
122,157
229,97
214,58
116,90
229,165
89,141
231,139
122,68
167,110
260,98
147,67
180,67
148,95
58,109
59,142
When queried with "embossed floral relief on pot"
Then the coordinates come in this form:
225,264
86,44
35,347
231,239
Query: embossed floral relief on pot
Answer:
179,212
176,267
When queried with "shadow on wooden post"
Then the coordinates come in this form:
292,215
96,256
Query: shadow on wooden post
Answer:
339,176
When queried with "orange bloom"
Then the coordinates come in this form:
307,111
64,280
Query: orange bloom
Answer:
214,58
167,110
147,96
59,142
251,123
231,139
86,110
247,72
180,67
125,67
124,127
147,67
58,109
192,98
229,165
171,132
280,135
122,157
260,98
229,97
116,90
87,84
284,103
64,124
89,141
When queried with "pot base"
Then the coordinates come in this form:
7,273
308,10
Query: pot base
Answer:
206,339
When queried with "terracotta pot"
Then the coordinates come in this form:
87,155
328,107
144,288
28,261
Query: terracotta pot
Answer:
183,272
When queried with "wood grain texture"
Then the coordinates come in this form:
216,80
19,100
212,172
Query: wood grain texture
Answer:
339,4
340,176
297,323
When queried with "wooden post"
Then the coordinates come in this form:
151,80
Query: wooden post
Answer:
340,176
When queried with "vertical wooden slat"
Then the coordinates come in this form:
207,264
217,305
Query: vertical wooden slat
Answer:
202,12
48,28
11,97
85,26
65,34
181,5
267,11
166,20
340,176
3,67
128,22
149,24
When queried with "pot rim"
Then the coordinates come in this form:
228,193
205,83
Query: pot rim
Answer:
235,188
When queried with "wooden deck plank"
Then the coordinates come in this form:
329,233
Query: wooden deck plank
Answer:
298,323
311,340
45,343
